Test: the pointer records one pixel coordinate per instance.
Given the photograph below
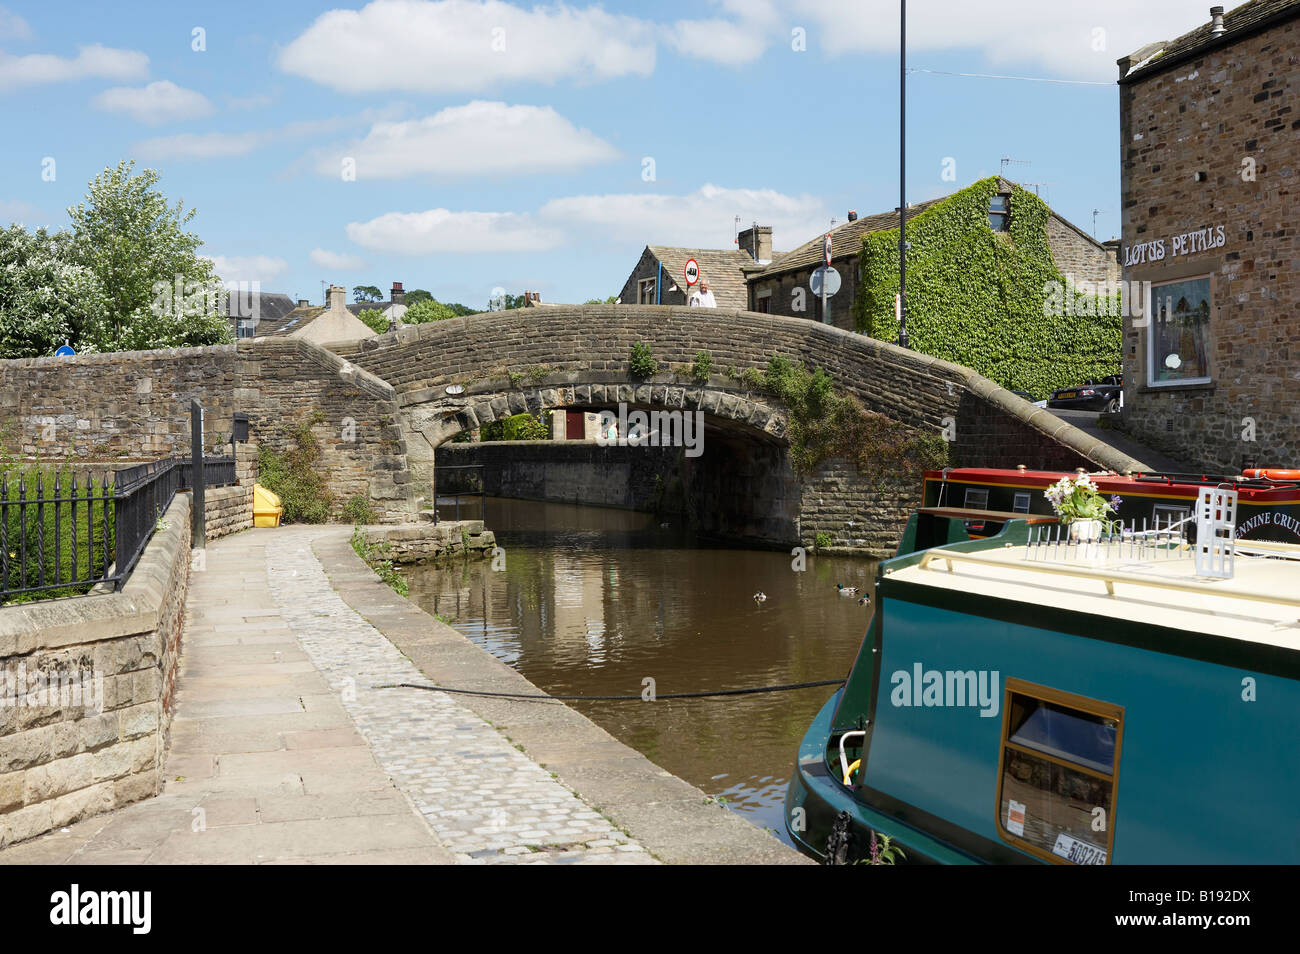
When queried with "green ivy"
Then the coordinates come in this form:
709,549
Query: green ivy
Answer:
976,297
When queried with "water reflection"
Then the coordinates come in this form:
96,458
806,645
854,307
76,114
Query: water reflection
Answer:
594,601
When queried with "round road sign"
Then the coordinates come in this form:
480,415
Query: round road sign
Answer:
692,271
831,276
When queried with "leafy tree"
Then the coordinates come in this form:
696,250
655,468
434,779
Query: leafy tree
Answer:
45,299
417,295
374,319
612,299
159,292
366,293
426,311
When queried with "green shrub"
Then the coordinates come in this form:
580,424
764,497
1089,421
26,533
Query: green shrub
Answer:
374,320
518,427
358,510
702,367
822,540
428,310
296,475
642,363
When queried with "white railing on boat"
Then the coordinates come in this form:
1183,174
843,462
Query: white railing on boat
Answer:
1109,577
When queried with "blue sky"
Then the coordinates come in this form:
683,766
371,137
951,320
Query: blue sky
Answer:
499,144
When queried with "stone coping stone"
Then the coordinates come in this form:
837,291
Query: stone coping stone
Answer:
136,608
675,821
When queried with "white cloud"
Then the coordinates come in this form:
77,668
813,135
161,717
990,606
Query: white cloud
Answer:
457,45
731,44
441,230
13,27
159,102
213,145
1062,38
22,212
248,268
253,101
93,61
479,138
336,261
704,218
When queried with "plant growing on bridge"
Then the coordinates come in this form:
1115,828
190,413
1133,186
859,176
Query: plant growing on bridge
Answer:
824,422
642,362
296,474
517,427
702,367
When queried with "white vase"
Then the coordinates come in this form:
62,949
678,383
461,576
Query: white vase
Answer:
1085,531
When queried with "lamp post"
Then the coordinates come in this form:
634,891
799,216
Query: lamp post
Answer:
902,174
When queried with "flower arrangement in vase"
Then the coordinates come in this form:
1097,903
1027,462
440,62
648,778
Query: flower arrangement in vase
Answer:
1081,506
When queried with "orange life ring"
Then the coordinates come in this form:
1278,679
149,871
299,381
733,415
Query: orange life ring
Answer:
1271,473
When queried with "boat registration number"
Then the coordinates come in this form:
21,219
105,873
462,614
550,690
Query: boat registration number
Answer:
1068,394
1079,852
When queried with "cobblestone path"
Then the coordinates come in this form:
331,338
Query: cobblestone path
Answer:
486,801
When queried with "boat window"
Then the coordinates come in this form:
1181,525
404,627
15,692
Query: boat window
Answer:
1057,776
1164,516
1020,504
976,499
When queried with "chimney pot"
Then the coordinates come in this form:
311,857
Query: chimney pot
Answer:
397,296
303,302
1216,21
853,215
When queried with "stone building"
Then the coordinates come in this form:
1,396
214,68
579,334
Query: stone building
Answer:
782,288
659,276
1211,152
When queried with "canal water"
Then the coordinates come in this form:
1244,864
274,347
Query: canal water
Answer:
593,601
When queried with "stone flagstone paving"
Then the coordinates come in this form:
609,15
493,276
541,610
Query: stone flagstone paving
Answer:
487,801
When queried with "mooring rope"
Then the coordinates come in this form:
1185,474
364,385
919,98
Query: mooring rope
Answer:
637,698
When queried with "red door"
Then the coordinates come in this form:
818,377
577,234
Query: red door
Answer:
573,426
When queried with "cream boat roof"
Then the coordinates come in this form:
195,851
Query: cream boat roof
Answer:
1261,604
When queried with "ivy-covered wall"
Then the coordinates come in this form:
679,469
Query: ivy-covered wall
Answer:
992,301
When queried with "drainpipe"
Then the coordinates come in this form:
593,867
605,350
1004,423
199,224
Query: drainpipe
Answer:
659,286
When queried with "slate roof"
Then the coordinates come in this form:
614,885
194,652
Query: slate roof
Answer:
268,306
846,242
722,267
1238,23
292,321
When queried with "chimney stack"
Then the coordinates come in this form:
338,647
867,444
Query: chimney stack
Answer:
337,298
853,215
397,296
757,241
1216,22
303,302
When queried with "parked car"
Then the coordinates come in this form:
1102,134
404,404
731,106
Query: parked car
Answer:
1104,395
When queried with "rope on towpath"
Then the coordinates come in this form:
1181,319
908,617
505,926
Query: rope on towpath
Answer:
637,698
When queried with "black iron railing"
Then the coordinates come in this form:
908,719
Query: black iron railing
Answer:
448,497
60,535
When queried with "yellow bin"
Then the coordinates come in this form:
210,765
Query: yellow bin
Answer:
266,507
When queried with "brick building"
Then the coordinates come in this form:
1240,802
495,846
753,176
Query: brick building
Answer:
1211,151
782,287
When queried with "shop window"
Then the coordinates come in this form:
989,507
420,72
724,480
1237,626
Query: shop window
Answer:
1178,347
1058,773
1000,213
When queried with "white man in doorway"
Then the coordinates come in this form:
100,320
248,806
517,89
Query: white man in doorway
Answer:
702,297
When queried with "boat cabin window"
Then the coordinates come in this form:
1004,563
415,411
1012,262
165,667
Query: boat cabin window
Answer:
1164,516
1020,504
1057,774
976,499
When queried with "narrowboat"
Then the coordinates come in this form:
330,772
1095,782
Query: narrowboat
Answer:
1028,698
1268,499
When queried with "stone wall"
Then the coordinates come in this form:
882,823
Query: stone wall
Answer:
1226,116
426,542
1078,254
782,298
62,762
858,512
134,406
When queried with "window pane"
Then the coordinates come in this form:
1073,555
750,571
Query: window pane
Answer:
1180,330
1053,808
1078,737
999,203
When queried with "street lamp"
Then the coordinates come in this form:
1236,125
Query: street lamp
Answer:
902,174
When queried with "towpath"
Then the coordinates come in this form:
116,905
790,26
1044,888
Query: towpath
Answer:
284,750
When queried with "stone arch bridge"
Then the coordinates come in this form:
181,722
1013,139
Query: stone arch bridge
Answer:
577,357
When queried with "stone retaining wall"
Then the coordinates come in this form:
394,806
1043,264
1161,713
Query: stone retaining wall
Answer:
426,541
63,762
